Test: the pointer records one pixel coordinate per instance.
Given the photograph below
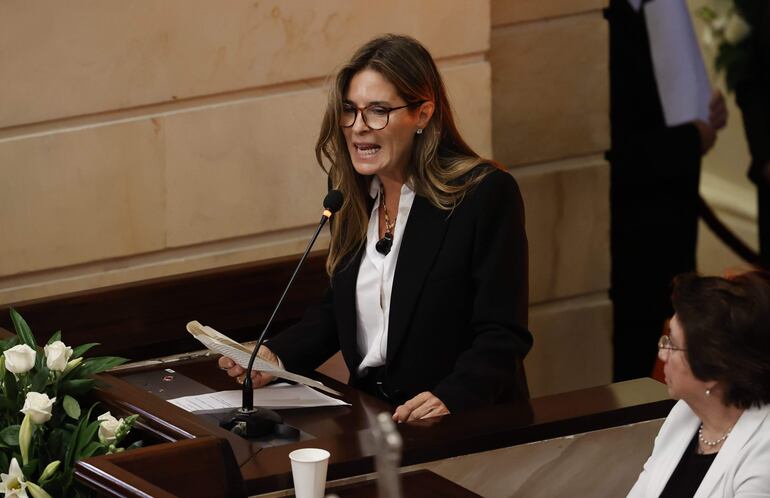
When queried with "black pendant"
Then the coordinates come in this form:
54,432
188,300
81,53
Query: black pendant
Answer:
384,244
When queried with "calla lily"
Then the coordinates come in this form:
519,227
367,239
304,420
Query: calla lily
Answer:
72,364
13,484
49,470
25,438
36,491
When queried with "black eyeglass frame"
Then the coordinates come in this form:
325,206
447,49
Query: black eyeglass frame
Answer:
362,112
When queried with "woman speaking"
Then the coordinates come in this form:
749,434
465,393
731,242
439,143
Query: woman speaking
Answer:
428,254
716,440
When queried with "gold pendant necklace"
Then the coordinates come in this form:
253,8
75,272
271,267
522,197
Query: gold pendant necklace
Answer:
384,245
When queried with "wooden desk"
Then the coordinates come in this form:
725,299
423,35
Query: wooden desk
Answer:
417,484
345,431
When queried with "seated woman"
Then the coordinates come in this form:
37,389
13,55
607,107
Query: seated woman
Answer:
428,254
716,440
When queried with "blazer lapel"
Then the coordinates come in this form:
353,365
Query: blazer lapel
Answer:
423,237
344,288
679,437
744,429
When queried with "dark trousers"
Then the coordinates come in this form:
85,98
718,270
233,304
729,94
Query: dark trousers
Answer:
653,234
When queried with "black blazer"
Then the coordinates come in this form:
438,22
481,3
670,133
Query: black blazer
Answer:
458,311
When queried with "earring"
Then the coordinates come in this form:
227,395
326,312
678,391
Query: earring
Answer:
708,392
419,131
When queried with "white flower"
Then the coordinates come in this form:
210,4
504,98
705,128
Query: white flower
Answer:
13,484
19,359
719,23
108,428
737,29
38,406
57,355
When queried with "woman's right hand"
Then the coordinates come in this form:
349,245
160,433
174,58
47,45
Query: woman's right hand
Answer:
258,378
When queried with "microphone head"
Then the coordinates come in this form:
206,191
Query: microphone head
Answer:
333,201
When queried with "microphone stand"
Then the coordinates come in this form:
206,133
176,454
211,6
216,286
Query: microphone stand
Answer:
248,421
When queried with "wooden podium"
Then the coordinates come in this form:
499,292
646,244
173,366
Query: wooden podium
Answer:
189,455
191,451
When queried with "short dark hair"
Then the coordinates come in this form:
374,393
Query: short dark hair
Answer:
726,324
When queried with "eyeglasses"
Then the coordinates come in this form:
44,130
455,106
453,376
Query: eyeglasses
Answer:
375,116
665,343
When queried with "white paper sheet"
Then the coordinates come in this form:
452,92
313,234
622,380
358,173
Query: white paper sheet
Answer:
275,396
220,343
683,83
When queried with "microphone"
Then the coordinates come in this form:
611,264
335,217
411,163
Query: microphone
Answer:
251,422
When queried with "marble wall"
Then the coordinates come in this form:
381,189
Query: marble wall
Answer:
550,90
145,139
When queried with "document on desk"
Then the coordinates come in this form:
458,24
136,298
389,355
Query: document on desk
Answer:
220,343
275,396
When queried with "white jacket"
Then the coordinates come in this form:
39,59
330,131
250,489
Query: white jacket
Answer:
741,469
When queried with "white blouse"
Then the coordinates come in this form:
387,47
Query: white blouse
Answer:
375,281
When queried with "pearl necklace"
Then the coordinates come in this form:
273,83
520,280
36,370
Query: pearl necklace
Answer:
709,442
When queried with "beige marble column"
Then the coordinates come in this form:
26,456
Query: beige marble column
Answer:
550,94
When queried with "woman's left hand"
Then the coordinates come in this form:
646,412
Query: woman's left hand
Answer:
424,405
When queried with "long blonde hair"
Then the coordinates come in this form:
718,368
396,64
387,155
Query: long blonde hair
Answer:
441,160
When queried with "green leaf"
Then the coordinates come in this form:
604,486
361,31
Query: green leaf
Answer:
7,405
8,343
706,13
39,360
29,468
4,462
55,337
10,435
99,364
86,436
39,379
79,351
22,330
71,406
11,387
72,444
90,449
56,441
76,386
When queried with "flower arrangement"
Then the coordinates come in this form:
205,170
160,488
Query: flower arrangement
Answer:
728,32
43,430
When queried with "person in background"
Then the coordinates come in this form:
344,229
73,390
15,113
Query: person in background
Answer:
654,172
428,254
715,442
753,96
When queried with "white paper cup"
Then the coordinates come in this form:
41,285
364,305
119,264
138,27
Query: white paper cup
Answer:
308,468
